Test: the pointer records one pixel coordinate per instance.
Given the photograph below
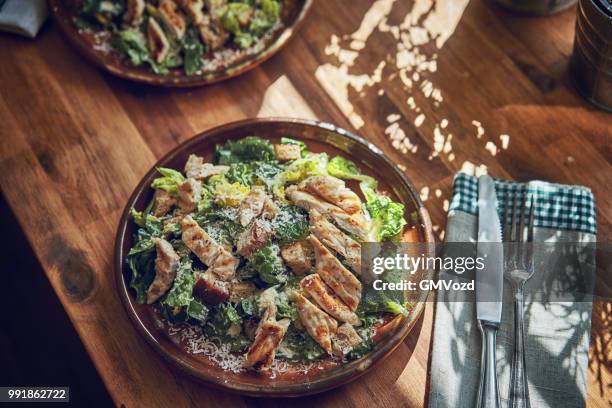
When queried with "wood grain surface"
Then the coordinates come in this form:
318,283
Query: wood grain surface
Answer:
74,142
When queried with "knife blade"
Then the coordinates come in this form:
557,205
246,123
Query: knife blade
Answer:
489,280
489,289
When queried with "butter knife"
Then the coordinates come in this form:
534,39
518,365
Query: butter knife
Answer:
489,289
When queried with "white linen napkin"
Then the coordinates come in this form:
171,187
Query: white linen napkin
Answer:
23,17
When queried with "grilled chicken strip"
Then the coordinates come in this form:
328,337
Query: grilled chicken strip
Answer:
268,337
269,209
216,8
355,224
134,12
327,300
335,239
212,33
194,9
197,169
189,193
252,205
318,324
159,46
254,237
162,203
218,259
166,266
345,340
172,18
333,190
340,280
296,258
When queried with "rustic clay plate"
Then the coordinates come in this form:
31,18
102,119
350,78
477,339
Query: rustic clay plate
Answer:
289,380
226,63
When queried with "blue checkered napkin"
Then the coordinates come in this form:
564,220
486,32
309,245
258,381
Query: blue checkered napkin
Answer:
557,206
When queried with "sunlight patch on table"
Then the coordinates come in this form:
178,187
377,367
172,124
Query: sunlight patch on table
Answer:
283,99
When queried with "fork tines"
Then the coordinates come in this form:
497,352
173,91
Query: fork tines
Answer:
514,229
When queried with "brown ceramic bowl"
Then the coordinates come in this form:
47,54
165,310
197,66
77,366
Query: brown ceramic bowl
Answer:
231,65
320,137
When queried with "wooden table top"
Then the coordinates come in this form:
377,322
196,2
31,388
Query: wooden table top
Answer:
439,88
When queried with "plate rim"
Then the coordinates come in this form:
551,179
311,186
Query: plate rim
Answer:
70,32
327,384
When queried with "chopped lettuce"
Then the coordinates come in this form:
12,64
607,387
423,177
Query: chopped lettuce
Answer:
179,304
247,23
132,43
284,307
345,169
387,216
265,18
250,306
225,315
298,170
235,13
298,345
367,343
197,310
226,193
258,172
290,224
141,257
267,172
243,173
268,264
220,224
141,260
103,11
222,318
391,301
248,149
170,180
194,51
180,294
145,220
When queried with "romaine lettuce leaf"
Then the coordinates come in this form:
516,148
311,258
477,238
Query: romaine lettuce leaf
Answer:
268,264
290,224
193,50
298,170
170,181
298,345
387,216
345,169
226,193
248,149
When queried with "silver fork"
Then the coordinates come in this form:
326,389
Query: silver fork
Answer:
518,269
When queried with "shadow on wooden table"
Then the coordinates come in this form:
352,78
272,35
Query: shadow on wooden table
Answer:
600,362
38,345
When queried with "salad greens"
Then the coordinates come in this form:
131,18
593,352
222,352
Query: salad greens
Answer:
186,34
248,149
298,170
290,224
265,274
387,216
347,170
269,265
